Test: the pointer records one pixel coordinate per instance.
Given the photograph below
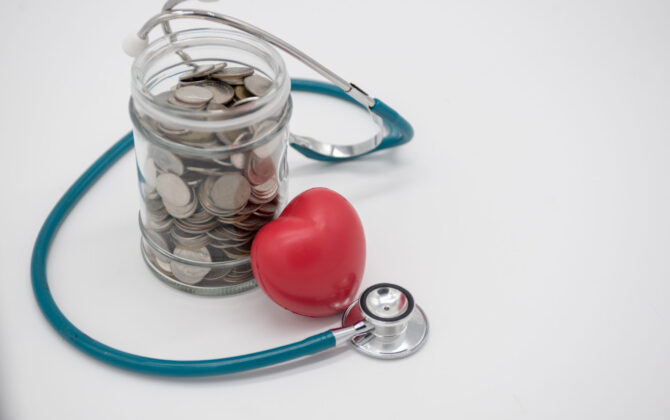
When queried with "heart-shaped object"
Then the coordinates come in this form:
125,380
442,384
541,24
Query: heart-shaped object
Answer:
311,259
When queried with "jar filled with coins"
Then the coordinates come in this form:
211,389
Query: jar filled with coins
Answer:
210,111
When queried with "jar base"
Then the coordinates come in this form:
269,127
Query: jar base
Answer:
218,290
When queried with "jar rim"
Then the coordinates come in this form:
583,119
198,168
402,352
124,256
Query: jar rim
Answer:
266,106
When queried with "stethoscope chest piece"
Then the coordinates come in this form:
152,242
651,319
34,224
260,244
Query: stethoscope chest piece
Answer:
399,326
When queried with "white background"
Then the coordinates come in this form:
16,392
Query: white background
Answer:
529,216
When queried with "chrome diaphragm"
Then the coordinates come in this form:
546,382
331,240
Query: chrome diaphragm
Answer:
397,327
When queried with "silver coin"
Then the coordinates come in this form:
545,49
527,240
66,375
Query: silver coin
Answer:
217,274
241,92
201,217
188,82
196,95
204,198
257,85
245,101
188,240
200,72
173,190
184,105
235,253
206,171
233,75
259,170
217,112
252,223
267,189
192,178
193,228
171,130
250,208
190,274
166,161
162,261
230,191
157,223
181,212
267,210
214,106
221,93
218,67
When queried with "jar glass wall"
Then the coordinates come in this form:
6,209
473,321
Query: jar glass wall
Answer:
211,136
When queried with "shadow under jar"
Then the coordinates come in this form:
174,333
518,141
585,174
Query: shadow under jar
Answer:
211,136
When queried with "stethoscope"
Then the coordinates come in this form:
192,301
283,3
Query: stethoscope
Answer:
384,323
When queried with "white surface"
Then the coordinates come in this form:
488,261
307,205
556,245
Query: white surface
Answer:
529,216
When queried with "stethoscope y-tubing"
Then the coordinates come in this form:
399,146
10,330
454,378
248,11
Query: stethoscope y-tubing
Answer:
397,127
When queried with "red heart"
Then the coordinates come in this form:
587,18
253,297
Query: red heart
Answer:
310,260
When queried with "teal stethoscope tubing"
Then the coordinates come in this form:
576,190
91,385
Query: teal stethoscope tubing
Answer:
399,132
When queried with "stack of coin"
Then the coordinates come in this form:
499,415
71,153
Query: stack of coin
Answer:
202,208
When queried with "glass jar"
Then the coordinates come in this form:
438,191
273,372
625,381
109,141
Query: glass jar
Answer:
211,171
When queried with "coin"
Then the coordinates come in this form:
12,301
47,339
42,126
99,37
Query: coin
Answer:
196,95
154,221
257,85
230,191
176,103
158,241
221,93
170,130
187,240
245,101
233,75
173,190
190,274
241,92
260,170
217,274
192,178
202,72
181,212
166,160
220,108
